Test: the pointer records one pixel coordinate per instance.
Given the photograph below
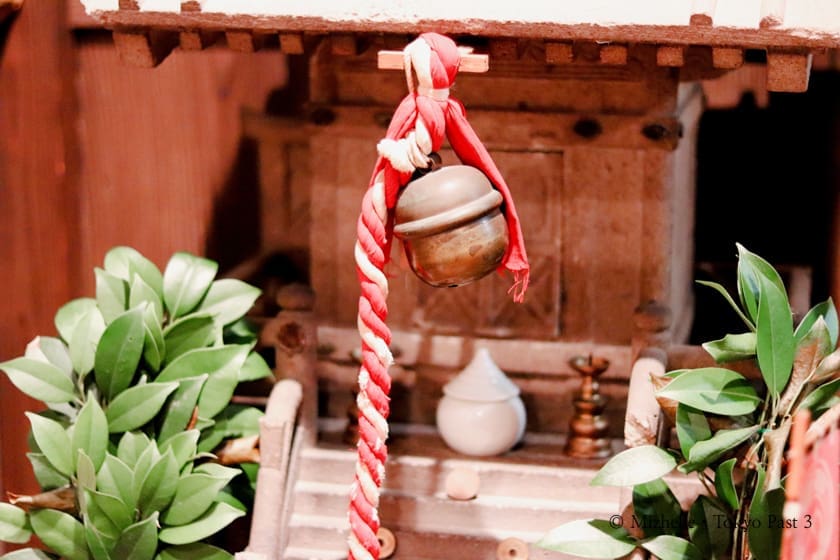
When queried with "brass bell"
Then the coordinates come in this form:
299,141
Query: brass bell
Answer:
451,225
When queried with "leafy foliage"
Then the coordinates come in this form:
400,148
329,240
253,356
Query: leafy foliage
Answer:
720,419
138,384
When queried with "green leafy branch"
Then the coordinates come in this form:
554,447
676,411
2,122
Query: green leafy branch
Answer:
731,432
138,387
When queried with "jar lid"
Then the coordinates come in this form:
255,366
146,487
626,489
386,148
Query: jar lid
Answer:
481,381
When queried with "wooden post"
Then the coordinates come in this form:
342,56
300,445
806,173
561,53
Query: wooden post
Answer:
293,334
277,428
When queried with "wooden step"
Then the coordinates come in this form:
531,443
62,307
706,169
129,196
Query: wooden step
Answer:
438,513
319,541
426,476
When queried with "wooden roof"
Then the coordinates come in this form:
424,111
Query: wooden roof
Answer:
790,31
744,23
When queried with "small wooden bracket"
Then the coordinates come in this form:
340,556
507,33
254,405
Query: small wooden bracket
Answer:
145,49
788,71
197,40
613,54
727,58
559,53
476,63
670,55
244,41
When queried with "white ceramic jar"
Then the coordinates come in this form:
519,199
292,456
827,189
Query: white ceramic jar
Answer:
481,412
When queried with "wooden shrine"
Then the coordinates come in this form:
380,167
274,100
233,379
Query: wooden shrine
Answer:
591,114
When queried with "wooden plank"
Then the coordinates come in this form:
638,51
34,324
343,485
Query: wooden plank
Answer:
393,60
206,184
39,205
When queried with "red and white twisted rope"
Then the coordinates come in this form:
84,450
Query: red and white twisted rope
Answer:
405,154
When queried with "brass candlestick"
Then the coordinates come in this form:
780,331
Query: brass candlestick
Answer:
588,428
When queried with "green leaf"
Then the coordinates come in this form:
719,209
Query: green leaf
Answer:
91,432
186,280
85,478
118,353
139,541
764,532
128,263
53,351
655,509
183,446
14,525
85,340
722,291
668,547
111,295
194,551
196,492
39,380
254,368
109,513
709,528
53,442
775,345
188,333
713,389
26,554
179,409
732,347
212,521
205,360
752,270
154,349
233,421
635,465
61,532
69,315
47,475
705,452
99,545
141,294
115,479
692,427
137,405
816,400
158,486
219,388
228,299
131,446
725,484
828,312
589,538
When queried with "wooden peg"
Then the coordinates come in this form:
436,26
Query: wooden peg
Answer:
512,549
387,543
393,60
772,13
128,5
703,12
190,6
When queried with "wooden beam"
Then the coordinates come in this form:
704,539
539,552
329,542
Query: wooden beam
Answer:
393,60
